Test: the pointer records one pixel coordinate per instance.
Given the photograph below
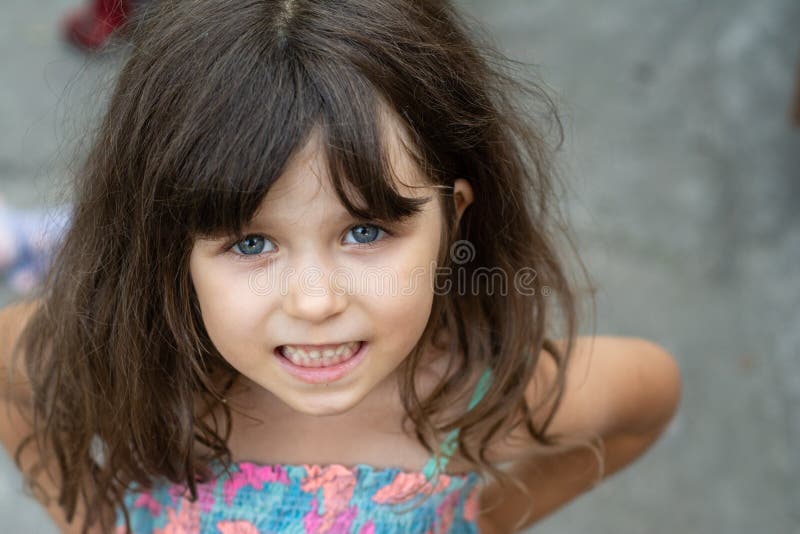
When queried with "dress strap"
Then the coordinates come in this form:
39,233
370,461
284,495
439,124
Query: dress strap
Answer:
450,443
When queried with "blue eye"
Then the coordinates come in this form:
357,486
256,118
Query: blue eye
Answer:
251,245
365,234
255,246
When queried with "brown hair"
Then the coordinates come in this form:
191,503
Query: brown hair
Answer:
211,103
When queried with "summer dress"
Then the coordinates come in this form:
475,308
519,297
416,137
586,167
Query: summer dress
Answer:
316,499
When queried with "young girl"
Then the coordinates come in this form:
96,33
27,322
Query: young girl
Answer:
309,284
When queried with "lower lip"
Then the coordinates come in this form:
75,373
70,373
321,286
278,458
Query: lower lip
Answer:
322,375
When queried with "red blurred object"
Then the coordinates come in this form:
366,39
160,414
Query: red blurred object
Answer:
89,26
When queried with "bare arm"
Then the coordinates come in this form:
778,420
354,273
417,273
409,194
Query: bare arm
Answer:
14,425
623,390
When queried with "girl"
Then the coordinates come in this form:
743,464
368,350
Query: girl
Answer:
309,284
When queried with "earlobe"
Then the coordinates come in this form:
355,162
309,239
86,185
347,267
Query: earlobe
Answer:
462,196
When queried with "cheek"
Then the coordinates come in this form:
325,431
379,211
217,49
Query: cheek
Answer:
415,263
228,310
403,304
397,323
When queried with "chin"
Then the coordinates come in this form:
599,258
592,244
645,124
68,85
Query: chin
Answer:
324,411
323,407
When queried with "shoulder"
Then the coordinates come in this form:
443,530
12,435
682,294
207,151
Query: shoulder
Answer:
13,319
15,425
611,385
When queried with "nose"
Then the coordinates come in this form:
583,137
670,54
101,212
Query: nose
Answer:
313,295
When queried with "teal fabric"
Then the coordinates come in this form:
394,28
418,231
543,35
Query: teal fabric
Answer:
251,498
448,448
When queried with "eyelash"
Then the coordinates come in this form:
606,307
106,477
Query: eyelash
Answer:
252,257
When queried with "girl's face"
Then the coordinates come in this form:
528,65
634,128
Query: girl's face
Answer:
306,273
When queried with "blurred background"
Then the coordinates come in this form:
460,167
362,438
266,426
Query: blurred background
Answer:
683,170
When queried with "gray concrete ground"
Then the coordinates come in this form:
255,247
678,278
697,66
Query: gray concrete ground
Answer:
684,192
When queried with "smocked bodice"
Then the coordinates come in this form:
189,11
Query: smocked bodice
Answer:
306,499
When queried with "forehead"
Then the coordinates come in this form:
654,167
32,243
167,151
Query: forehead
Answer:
357,159
306,182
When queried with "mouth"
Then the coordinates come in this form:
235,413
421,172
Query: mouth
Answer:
317,367
319,355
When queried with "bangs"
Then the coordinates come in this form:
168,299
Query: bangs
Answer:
238,134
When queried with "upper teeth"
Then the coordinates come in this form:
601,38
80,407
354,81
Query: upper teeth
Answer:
347,348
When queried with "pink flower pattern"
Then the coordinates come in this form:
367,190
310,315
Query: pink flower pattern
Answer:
337,483
237,527
368,528
332,508
252,475
446,513
404,486
205,495
471,504
146,500
184,521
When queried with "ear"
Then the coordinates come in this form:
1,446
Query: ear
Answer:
462,196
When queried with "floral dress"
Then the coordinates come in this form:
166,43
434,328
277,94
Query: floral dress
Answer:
252,498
